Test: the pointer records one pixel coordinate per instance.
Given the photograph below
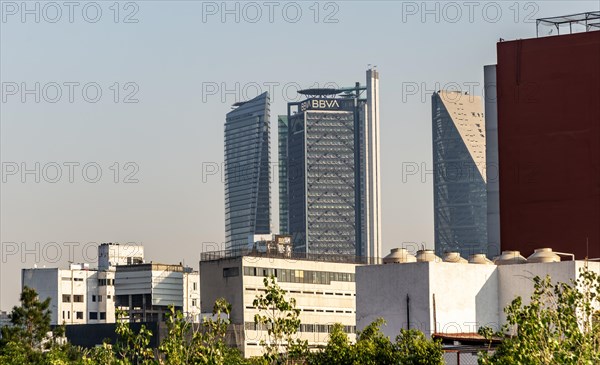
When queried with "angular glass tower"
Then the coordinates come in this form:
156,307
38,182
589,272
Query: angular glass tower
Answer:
247,192
333,190
459,181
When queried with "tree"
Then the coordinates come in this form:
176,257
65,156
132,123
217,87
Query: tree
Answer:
203,344
29,333
30,322
412,348
373,347
560,325
338,350
281,319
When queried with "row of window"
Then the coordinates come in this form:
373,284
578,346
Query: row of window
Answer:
307,292
304,327
66,298
66,315
76,315
97,315
66,278
309,310
105,282
299,276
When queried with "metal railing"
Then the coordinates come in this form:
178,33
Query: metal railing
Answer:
293,256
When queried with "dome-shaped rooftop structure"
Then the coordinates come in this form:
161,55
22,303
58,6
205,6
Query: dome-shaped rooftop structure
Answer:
479,259
427,256
543,255
399,256
510,258
454,257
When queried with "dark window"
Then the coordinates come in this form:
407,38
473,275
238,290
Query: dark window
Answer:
93,315
102,315
79,315
231,272
66,298
78,299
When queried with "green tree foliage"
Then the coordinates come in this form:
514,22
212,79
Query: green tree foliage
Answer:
281,319
30,342
373,347
29,339
204,344
560,325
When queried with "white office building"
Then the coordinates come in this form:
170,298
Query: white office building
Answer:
78,295
324,292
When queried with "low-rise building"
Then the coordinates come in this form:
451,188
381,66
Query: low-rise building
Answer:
145,291
78,295
441,297
324,291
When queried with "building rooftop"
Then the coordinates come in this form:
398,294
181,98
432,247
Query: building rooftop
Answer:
337,258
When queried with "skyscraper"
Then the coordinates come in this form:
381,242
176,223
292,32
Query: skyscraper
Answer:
460,200
247,191
333,188
282,128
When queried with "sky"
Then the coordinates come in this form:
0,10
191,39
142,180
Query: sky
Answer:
112,113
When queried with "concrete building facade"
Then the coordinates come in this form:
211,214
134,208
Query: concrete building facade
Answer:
449,298
145,291
77,295
324,292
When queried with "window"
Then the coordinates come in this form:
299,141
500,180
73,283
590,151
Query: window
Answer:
78,279
79,315
93,315
193,302
102,315
99,298
108,297
93,298
195,286
78,299
66,298
229,272
66,278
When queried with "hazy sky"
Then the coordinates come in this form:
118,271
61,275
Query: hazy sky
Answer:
139,90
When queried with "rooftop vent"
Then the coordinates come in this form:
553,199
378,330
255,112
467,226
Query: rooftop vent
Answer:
427,256
480,259
543,255
399,256
510,258
454,257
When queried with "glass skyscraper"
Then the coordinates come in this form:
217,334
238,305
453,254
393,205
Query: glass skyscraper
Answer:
460,199
282,129
332,159
247,191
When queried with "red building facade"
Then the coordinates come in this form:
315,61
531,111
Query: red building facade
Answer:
549,143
